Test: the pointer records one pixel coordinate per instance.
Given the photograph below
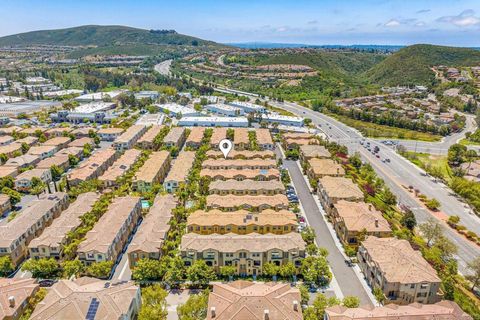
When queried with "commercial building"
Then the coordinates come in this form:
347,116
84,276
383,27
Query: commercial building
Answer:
14,297
179,171
152,172
99,96
242,299
30,223
175,137
148,240
264,139
153,95
333,189
242,222
93,167
151,119
225,110
148,139
176,110
110,234
119,167
402,274
89,298
358,219
283,120
128,139
247,252
444,310
16,109
109,134
247,202
195,137
213,121
246,187
248,107
51,242
23,182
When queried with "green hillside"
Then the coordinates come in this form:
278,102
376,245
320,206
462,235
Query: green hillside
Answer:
412,65
115,37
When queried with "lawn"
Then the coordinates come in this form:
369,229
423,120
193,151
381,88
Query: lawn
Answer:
430,163
380,131
467,142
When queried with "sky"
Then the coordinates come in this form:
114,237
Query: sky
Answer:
390,22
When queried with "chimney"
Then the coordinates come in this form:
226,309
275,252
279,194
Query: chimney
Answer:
266,314
295,305
11,301
370,207
212,312
376,222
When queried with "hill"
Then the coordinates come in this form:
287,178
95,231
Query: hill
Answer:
412,65
115,37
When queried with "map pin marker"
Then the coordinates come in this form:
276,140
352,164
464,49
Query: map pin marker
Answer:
225,146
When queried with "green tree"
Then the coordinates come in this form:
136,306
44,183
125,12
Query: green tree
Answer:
431,231
148,270
270,269
321,302
100,269
15,196
316,270
195,308
408,220
72,268
56,172
3,158
200,274
308,235
304,294
378,293
432,204
228,271
6,266
287,270
351,302
474,275
25,147
154,303
72,160
456,154
311,249
175,272
42,268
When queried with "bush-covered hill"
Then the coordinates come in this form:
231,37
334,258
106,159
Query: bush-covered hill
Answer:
412,65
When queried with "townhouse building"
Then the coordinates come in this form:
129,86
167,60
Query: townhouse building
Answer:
264,139
318,168
241,174
10,150
239,164
5,205
23,161
51,242
43,151
330,190
402,274
90,298
218,135
93,167
247,202
152,172
247,252
195,137
147,141
57,142
128,139
16,234
179,172
109,134
242,222
175,137
243,154
24,181
353,220
110,234
246,187
310,151
241,140
148,240
119,167
15,295
254,300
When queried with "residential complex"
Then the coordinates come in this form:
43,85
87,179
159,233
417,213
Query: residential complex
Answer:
148,139
152,172
179,172
93,167
128,139
247,202
14,297
120,167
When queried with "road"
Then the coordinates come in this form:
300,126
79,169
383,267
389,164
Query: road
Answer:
400,172
441,148
346,277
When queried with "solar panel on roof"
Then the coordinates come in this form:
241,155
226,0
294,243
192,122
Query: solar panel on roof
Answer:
92,309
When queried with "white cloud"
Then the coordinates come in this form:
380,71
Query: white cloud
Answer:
420,24
466,18
392,23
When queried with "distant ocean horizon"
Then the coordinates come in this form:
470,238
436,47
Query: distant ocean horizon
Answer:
275,45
